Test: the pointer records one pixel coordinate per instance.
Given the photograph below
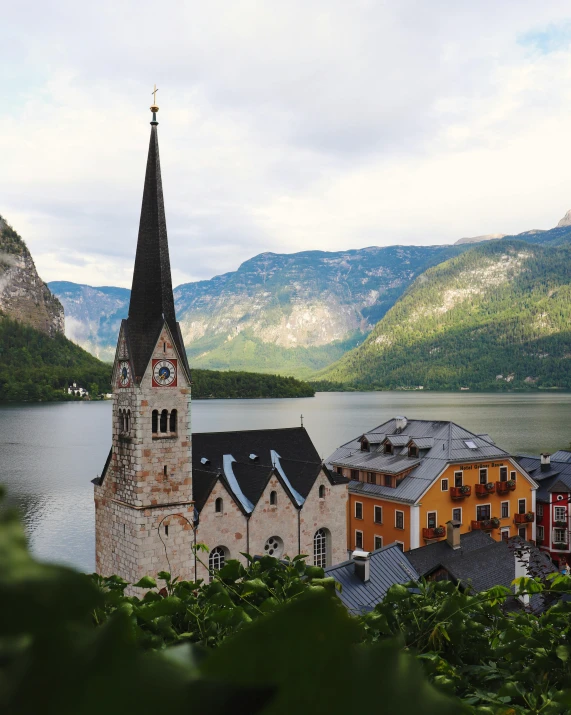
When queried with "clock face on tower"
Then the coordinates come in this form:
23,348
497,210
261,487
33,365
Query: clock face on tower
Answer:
164,373
124,374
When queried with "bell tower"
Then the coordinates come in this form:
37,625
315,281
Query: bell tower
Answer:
143,499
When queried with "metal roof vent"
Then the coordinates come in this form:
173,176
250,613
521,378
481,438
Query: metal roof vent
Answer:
362,561
400,423
254,457
204,460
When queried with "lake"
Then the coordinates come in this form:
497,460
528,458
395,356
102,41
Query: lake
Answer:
50,452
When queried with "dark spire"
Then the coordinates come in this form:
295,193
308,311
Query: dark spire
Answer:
152,302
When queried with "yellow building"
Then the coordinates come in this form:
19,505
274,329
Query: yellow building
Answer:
410,477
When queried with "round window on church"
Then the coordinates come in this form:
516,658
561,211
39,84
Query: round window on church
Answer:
274,547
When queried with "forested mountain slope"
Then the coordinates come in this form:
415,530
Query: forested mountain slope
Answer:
290,313
36,366
496,317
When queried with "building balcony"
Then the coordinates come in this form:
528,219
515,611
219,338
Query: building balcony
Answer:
560,524
460,492
505,487
435,532
560,546
526,518
485,524
482,490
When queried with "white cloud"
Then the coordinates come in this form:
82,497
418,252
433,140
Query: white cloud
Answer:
284,127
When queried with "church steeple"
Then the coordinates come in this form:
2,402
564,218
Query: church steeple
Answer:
152,302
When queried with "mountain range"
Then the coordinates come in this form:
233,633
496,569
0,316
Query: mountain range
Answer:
290,313
496,317
342,317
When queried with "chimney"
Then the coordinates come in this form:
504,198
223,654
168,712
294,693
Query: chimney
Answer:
362,561
453,533
521,569
401,423
545,462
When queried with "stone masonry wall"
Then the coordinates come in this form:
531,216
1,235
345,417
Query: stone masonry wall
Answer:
127,541
329,513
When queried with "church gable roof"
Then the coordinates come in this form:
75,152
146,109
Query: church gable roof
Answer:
152,302
252,456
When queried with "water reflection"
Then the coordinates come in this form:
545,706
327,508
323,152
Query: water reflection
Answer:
49,453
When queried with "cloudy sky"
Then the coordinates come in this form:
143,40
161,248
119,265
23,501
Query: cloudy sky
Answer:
283,126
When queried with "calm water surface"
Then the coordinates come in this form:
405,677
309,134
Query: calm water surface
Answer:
49,453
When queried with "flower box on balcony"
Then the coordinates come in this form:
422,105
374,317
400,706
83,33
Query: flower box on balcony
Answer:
560,524
502,487
485,524
524,518
482,490
435,532
460,492
511,484
560,546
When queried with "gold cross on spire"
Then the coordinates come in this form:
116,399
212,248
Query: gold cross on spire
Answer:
154,93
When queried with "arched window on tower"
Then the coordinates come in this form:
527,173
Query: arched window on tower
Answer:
216,559
121,421
128,421
172,421
164,420
320,544
273,498
322,491
155,421
218,505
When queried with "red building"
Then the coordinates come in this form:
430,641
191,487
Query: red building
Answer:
553,474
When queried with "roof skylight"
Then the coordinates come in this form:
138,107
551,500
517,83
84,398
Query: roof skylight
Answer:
470,444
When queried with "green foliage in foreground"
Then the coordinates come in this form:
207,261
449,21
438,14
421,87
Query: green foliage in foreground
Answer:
211,383
53,658
270,638
35,366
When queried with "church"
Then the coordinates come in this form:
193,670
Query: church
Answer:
163,489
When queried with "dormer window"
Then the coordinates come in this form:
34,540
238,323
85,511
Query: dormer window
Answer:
365,446
388,448
413,450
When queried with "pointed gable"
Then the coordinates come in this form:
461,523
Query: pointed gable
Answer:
152,302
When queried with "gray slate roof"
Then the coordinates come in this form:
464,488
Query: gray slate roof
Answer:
441,443
556,478
480,563
388,566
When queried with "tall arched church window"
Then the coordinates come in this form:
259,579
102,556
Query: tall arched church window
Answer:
155,421
322,491
273,498
128,421
121,421
216,558
164,420
320,548
173,420
218,505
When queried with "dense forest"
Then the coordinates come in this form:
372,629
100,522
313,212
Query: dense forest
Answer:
34,367
498,317
212,383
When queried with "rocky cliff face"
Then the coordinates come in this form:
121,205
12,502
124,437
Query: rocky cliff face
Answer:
23,294
288,313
